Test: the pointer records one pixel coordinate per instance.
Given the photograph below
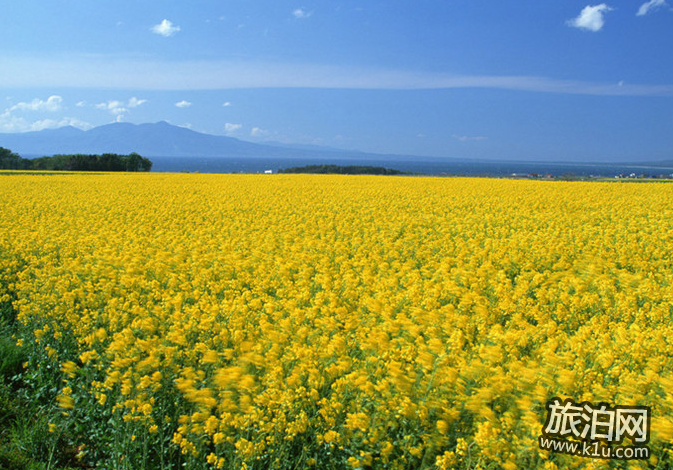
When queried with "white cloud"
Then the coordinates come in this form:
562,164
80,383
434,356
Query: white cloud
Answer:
119,108
113,106
467,138
80,104
166,28
230,128
258,132
11,124
590,18
652,5
66,121
300,13
53,103
183,104
134,74
135,102
226,104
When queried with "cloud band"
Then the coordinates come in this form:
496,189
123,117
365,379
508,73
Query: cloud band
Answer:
203,75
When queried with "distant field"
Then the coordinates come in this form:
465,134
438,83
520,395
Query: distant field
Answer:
296,321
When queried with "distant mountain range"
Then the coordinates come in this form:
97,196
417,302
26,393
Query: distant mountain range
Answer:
160,139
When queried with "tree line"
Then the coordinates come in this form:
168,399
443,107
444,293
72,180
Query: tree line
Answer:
76,162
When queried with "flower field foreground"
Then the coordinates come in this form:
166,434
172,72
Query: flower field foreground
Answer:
290,321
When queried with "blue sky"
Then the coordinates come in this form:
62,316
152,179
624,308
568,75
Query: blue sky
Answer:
525,80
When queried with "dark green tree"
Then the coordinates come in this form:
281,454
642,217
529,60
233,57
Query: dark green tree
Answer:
10,160
76,162
132,162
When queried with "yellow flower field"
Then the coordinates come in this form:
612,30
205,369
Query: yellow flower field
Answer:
296,321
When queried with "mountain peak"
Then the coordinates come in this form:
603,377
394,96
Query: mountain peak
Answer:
159,139
162,139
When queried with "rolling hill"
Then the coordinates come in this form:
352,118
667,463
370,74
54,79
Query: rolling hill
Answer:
159,139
